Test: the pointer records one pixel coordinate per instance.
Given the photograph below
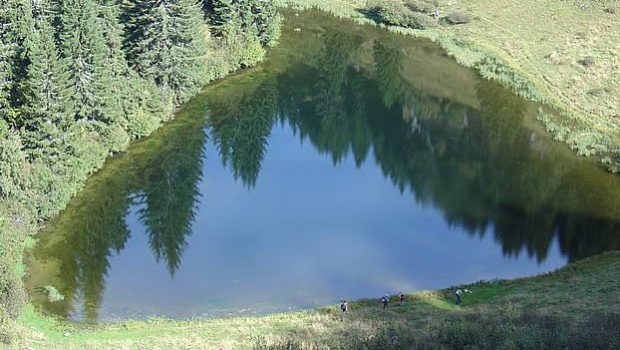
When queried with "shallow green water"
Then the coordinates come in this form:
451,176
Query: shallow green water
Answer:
351,164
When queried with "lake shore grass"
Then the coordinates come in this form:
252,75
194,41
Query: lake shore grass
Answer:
581,296
565,54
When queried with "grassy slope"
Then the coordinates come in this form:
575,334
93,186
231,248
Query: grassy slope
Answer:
535,48
573,293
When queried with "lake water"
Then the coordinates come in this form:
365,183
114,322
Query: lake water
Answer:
351,164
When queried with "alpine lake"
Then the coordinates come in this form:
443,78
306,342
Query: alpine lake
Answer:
352,163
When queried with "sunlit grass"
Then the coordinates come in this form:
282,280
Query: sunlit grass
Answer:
572,293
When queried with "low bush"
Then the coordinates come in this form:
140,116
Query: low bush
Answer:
400,14
15,226
422,6
458,18
587,61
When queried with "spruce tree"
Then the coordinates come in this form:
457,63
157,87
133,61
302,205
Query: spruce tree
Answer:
268,22
255,19
135,16
41,90
83,50
116,101
165,41
188,73
17,23
7,51
223,17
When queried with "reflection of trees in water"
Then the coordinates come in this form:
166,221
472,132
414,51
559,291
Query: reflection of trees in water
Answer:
242,133
329,100
166,180
479,166
388,64
90,241
169,188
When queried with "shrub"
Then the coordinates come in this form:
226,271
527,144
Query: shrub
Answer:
458,18
10,337
244,52
142,123
15,226
398,14
53,295
261,344
4,129
116,138
421,6
587,61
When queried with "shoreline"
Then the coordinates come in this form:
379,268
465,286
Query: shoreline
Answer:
242,332
582,128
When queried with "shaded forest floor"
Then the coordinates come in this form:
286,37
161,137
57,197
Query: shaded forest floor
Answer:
580,301
563,53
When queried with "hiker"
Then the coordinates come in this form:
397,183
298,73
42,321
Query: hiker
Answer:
459,293
458,296
385,301
344,307
402,298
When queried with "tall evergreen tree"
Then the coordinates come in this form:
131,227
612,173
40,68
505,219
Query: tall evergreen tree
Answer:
256,18
268,22
7,50
223,17
165,41
16,24
83,50
115,78
42,88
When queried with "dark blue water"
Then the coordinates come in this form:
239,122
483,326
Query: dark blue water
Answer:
352,164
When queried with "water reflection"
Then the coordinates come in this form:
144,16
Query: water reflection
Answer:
443,137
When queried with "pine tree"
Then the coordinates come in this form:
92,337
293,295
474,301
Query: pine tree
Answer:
83,50
116,101
189,52
41,90
166,44
136,17
17,23
268,22
7,51
256,18
223,17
